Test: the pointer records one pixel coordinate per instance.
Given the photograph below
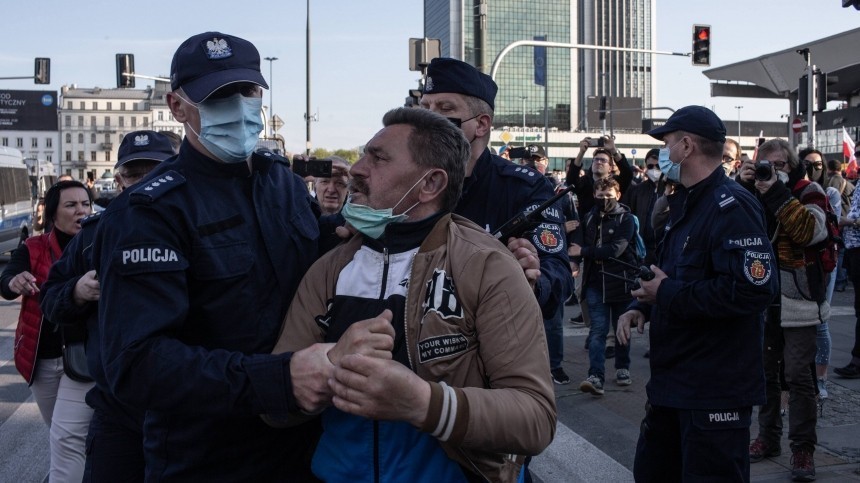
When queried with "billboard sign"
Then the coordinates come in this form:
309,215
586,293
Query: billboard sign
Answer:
28,110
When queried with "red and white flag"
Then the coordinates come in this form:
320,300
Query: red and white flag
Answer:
848,152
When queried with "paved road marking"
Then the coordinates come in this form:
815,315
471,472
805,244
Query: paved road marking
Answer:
572,459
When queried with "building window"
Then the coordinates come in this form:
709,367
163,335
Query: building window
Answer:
68,155
83,105
81,121
93,138
160,115
121,121
133,121
69,105
34,142
19,142
107,121
121,106
81,138
92,155
109,106
49,142
95,106
68,138
93,121
107,156
145,122
80,155
49,157
67,121
5,141
107,137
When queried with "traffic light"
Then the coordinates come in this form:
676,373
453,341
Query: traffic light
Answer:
820,83
701,45
602,108
125,65
43,71
414,98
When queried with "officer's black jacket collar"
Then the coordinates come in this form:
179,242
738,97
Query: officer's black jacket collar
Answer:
481,164
404,236
206,165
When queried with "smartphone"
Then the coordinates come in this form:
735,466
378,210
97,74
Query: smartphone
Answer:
318,168
520,153
596,142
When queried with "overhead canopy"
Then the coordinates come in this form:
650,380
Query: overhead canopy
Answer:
777,74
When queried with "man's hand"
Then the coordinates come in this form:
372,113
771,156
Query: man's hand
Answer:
571,225
763,186
574,250
747,169
345,231
372,337
526,255
87,288
380,389
627,320
609,144
24,284
310,370
647,293
583,145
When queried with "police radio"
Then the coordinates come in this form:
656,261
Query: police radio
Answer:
528,220
643,273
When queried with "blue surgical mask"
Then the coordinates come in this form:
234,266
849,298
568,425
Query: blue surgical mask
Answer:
671,169
371,221
230,127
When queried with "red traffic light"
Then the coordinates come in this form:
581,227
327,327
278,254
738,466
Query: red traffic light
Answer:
703,33
701,55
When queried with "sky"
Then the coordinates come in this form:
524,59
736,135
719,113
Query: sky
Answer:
359,56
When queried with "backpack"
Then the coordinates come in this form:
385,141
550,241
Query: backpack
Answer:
825,252
638,244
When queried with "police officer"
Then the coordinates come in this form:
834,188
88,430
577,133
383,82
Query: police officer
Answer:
196,276
715,276
70,297
496,190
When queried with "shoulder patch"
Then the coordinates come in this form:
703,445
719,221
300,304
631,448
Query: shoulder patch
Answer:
725,198
547,238
521,172
758,267
156,187
147,258
92,219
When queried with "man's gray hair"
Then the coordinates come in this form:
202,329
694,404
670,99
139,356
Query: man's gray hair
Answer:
435,142
773,145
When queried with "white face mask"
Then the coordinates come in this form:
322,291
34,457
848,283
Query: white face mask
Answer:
653,174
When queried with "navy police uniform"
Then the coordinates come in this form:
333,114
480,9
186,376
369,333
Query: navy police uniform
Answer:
119,426
706,334
196,278
498,190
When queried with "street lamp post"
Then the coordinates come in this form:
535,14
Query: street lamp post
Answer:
739,123
523,98
271,91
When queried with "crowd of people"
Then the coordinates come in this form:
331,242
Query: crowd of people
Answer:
220,321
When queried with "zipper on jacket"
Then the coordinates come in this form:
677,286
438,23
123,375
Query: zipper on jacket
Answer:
384,273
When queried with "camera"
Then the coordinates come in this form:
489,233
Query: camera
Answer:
596,143
763,170
318,168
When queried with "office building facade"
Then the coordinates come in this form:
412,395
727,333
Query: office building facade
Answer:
476,31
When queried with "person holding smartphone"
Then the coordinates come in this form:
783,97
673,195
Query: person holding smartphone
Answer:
605,158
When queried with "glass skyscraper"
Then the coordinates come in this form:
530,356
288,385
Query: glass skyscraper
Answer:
571,75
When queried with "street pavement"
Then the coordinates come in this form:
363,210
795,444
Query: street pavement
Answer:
595,438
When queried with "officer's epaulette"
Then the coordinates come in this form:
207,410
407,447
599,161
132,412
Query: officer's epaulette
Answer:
724,198
273,156
154,188
522,172
94,218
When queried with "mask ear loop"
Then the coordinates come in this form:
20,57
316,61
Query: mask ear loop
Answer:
409,191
